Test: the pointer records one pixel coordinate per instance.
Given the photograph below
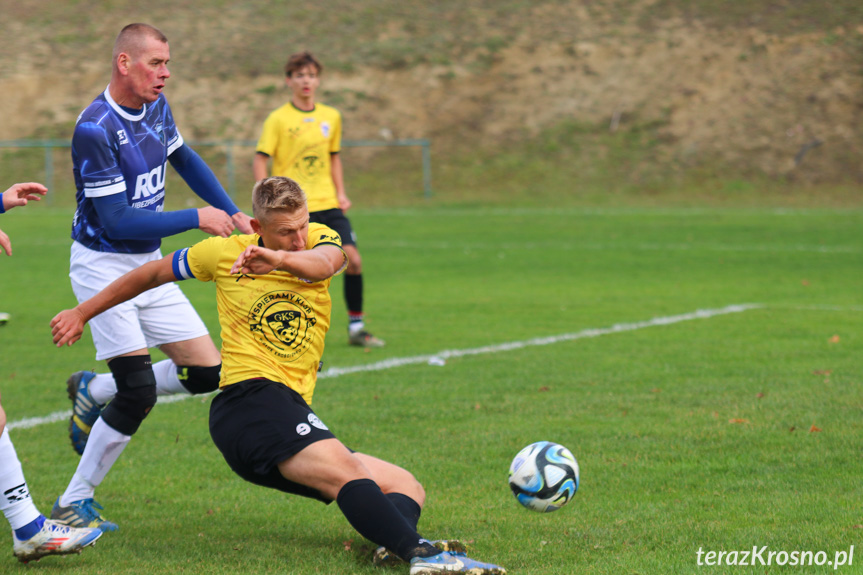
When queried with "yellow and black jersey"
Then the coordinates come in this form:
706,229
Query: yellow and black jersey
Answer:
272,325
300,144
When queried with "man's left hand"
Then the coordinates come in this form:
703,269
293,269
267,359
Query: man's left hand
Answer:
243,223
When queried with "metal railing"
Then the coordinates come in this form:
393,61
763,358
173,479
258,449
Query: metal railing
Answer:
230,145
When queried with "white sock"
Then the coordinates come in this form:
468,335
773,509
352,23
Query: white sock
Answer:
15,500
103,388
167,382
103,448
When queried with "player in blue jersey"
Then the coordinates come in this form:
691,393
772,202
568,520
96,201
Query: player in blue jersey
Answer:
18,195
33,536
121,146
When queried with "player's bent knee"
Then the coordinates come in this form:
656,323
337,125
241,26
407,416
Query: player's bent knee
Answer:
199,380
136,393
395,479
411,487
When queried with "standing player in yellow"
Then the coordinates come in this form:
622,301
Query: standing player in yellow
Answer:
303,138
272,294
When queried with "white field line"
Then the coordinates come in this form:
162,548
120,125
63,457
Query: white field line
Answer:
843,308
442,356
448,212
595,332
623,247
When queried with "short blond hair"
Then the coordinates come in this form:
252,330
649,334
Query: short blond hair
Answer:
276,193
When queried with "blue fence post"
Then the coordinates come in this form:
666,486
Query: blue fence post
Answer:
232,185
426,149
49,171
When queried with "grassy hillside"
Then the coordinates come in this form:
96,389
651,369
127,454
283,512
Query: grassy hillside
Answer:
252,37
656,98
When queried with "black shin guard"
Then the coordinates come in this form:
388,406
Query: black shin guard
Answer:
409,508
375,517
199,379
136,393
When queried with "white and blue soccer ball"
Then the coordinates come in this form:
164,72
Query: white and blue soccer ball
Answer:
544,476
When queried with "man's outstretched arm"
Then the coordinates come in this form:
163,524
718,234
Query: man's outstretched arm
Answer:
200,177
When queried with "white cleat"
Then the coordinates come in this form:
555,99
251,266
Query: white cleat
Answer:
54,539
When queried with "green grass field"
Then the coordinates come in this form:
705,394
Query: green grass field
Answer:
723,432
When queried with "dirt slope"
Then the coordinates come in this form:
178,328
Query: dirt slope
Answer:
781,105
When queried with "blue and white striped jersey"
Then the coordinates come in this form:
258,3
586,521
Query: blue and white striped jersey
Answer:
116,150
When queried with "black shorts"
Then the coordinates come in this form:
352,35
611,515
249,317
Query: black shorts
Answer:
337,220
259,423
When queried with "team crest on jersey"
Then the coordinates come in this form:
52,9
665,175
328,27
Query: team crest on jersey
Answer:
325,129
316,422
310,166
283,322
160,132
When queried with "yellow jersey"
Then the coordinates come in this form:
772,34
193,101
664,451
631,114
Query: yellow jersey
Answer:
272,325
300,144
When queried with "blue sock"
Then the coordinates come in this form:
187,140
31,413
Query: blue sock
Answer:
31,529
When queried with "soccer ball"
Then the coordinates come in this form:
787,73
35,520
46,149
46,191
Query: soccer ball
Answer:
544,476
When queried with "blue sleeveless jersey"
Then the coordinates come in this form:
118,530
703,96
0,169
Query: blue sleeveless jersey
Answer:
120,151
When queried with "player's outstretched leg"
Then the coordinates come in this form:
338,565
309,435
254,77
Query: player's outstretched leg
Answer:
54,539
452,563
85,410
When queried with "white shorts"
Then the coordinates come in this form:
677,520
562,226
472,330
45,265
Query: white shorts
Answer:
156,317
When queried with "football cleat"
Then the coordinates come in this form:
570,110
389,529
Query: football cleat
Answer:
54,539
449,563
384,557
81,514
363,338
85,410
4,317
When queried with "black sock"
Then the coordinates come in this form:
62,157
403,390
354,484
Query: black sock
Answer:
409,508
354,293
374,517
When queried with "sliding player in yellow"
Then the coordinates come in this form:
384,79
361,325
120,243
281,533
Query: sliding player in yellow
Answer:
274,310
